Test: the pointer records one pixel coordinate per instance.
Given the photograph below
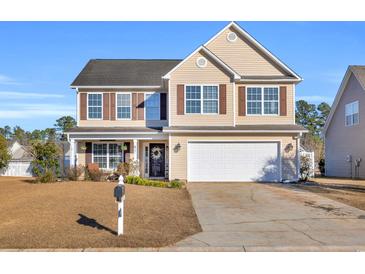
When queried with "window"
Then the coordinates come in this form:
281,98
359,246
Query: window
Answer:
271,101
107,155
262,101
152,106
201,99
352,113
124,106
95,105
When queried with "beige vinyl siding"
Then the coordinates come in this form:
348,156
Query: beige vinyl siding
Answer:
268,119
121,122
241,56
189,73
178,160
342,140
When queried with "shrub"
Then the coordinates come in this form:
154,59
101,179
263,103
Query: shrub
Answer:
4,153
45,161
73,173
305,167
321,166
136,180
123,169
94,173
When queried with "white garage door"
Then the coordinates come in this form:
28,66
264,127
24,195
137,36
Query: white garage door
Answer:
233,161
18,168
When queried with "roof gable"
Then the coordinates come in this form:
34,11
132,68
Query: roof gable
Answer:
359,73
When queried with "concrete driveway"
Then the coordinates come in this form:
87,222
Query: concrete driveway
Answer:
272,217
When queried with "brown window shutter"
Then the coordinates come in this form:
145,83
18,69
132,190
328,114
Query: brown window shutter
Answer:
222,99
127,152
106,106
88,153
134,106
180,100
83,106
140,106
112,106
241,101
163,108
283,104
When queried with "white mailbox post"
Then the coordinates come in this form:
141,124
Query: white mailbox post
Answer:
119,194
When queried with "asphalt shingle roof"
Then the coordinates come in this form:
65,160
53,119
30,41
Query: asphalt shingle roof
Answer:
124,72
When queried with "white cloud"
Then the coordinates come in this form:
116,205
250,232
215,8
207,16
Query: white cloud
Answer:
31,111
316,98
6,80
27,95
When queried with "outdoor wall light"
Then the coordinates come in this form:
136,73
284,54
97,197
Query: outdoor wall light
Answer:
177,148
289,147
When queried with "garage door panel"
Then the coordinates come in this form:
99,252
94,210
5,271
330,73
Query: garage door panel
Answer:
233,161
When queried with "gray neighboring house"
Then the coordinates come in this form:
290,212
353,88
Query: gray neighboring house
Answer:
20,163
345,127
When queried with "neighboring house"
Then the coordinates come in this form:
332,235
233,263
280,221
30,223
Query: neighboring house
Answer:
224,113
345,127
20,163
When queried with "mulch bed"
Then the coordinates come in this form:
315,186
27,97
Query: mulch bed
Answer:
84,215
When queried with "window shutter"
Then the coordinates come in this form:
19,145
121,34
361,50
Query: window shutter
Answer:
241,101
180,100
134,106
222,99
283,103
112,106
163,106
83,106
127,152
106,106
88,153
140,106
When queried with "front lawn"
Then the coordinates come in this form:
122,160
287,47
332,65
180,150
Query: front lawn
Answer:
84,215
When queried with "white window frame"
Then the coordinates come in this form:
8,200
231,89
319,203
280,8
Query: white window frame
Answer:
262,100
107,153
102,104
201,99
145,104
352,114
116,105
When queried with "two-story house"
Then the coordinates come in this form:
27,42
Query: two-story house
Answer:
224,113
344,130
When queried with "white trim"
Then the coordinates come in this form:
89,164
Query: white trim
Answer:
170,160
243,80
107,152
258,45
78,107
210,54
201,99
116,106
117,87
87,105
231,131
236,141
121,138
294,104
169,103
231,40
111,133
337,98
262,100
201,58
234,104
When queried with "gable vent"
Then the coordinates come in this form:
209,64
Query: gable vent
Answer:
201,62
231,36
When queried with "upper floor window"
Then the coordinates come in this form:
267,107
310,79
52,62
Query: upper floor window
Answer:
124,106
352,113
152,106
95,105
201,99
262,101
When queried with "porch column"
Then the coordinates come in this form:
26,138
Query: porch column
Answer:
297,139
136,154
72,153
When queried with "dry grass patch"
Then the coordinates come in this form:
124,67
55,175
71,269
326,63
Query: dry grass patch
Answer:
83,214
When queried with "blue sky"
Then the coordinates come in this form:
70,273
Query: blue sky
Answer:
38,60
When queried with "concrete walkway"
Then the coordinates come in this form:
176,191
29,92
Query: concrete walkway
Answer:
271,217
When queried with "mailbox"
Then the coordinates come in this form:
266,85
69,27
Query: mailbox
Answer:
119,192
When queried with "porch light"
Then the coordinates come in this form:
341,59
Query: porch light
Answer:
83,148
177,148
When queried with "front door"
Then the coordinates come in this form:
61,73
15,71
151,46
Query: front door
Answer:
157,160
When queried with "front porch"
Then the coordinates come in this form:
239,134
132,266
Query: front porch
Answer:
108,151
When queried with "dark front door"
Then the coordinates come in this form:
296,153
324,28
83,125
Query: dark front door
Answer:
157,160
